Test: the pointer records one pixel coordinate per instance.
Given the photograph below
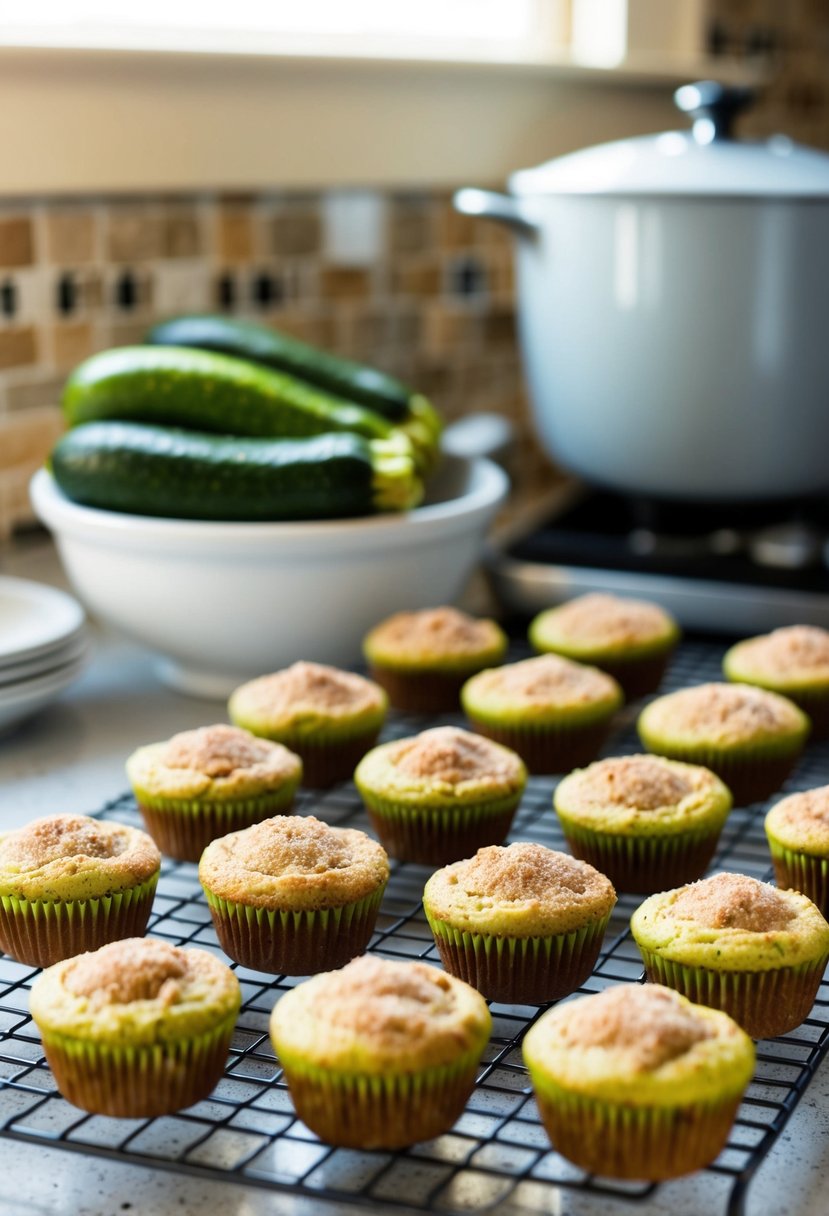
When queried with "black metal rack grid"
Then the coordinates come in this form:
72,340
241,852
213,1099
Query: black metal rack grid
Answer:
497,1153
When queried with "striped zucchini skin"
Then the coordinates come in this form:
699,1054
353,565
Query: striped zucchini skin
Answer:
142,469
204,391
260,344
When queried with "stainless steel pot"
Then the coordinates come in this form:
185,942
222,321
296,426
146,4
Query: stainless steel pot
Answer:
674,307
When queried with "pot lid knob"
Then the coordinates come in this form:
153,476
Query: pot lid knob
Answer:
713,107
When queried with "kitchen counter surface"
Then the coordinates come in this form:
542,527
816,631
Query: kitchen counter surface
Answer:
70,758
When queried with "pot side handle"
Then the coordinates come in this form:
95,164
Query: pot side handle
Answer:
502,208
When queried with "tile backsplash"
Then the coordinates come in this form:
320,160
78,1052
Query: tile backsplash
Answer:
398,280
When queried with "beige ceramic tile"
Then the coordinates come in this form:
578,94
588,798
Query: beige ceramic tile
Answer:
44,389
70,236
16,241
72,342
18,346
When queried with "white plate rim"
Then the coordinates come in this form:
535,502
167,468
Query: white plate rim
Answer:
58,602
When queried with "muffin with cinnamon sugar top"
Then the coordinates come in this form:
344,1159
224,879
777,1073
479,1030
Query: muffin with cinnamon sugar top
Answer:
555,713
380,1054
203,783
138,1028
439,795
797,830
739,945
423,658
329,717
637,1082
523,924
749,737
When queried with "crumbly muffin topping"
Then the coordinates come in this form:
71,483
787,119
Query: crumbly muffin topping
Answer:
136,969
310,688
642,782
733,901
519,890
724,713
548,679
606,620
293,862
796,652
433,634
651,1024
218,751
452,756
374,1014
74,856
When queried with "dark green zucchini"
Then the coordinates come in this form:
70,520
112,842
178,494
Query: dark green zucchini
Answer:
151,470
342,377
208,392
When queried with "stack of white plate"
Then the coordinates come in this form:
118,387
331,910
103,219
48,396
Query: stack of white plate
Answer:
43,646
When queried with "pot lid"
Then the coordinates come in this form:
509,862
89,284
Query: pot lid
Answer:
706,160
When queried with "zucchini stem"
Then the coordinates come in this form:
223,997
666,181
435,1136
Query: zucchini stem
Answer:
396,485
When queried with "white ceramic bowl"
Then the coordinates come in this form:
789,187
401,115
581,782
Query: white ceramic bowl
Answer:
220,603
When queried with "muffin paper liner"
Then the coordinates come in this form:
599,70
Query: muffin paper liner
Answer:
643,864
802,872
519,970
752,777
389,1110
183,829
327,761
426,692
549,748
294,943
619,1140
42,932
816,705
765,1003
132,1082
436,835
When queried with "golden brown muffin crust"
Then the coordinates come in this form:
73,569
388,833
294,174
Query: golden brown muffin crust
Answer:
797,650
297,862
646,1021
222,751
58,847
809,810
136,969
640,782
451,755
435,633
730,711
733,901
545,680
529,871
312,688
609,620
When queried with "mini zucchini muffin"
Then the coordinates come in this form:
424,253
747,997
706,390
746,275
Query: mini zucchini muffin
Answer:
644,821
328,717
69,883
440,795
423,658
798,834
750,738
555,713
522,924
632,640
292,895
138,1028
793,661
636,1082
739,945
380,1054
203,783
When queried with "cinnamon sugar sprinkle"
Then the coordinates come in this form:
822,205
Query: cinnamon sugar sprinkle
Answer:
136,969
62,836
523,872
652,1025
797,650
643,783
809,808
546,680
289,845
452,755
216,751
311,688
733,901
434,632
736,709
608,620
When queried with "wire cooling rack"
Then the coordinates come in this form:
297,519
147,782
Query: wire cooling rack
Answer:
497,1153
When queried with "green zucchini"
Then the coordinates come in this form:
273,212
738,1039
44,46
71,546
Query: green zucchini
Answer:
151,470
208,392
343,378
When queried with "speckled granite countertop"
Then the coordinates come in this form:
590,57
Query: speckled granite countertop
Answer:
70,758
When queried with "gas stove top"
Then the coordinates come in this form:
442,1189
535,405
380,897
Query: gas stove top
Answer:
722,568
